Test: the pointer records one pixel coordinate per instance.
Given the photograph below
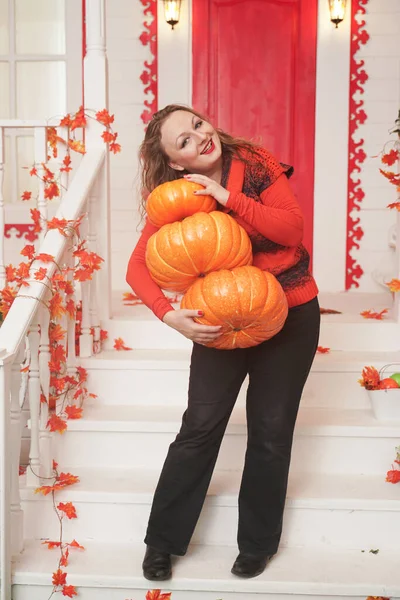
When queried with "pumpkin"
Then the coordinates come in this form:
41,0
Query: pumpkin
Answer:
249,303
181,252
174,200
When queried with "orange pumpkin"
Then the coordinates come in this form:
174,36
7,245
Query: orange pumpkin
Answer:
250,304
174,200
181,252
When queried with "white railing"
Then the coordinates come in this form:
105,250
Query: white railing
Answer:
24,334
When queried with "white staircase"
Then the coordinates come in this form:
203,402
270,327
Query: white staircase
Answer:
339,506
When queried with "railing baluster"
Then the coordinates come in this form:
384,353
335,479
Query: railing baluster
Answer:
17,516
86,337
45,456
2,211
94,285
40,138
71,325
33,470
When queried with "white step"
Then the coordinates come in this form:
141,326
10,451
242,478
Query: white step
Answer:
345,511
113,572
348,331
326,440
161,377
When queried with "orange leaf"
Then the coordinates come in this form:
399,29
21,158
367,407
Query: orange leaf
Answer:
11,273
35,216
395,205
329,311
55,465
83,274
28,250
26,196
369,314
25,369
66,121
56,306
65,479
103,335
59,578
46,258
394,285
79,120
74,544
70,308
109,137
370,378
56,423
115,148
82,374
43,399
394,178
74,412
51,545
104,117
56,332
322,350
157,595
68,508
390,157
33,172
64,559
69,590
51,191
40,274
59,224
77,146
119,344
66,168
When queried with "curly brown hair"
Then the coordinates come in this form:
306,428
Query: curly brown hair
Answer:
155,168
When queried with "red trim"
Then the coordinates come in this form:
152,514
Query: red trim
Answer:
357,156
24,230
149,74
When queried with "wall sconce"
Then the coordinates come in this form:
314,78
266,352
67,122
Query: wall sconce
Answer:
338,10
172,9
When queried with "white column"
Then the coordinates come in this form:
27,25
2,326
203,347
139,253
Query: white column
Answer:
33,470
94,287
45,454
95,79
2,211
17,523
40,138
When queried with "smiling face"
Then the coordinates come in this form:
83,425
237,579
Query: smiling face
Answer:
191,143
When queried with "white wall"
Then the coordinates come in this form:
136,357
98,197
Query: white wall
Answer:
382,57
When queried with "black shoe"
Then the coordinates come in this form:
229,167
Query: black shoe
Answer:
156,565
247,565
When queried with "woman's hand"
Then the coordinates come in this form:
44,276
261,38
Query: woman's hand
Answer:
182,321
211,188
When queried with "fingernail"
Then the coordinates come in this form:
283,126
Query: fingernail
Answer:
200,313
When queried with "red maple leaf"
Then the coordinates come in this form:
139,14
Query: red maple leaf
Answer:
69,509
74,544
64,559
33,172
46,258
35,216
40,274
115,148
66,168
104,117
322,350
157,595
51,191
59,578
29,251
77,146
73,412
56,306
109,137
59,224
83,275
395,205
103,335
66,121
390,157
70,308
119,344
79,119
369,314
56,423
51,545
393,476
69,590
56,332
11,273
26,196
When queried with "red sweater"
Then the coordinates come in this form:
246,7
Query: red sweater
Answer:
262,202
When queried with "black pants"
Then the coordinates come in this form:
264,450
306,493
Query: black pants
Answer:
278,369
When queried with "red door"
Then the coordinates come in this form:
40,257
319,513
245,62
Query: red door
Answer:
254,76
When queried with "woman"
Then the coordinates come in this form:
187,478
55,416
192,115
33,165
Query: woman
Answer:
250,185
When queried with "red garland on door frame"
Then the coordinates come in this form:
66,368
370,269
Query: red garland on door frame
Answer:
149,75
357,116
